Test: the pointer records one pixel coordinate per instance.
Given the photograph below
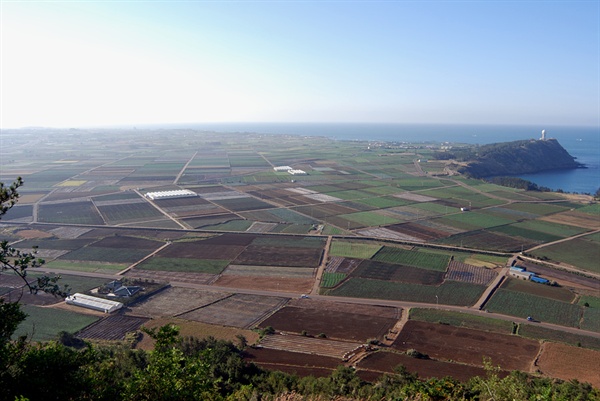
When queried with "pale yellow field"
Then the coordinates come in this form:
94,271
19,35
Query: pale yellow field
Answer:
71,183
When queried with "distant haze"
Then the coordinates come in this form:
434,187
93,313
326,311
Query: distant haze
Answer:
77,64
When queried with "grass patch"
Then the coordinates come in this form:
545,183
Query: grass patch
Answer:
354,250
85,266
541,333
44,324
593,302
459,319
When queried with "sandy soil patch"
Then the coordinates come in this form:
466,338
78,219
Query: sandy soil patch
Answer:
295,285
29,234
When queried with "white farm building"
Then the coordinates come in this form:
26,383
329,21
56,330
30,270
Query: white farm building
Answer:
95,303
282,168
178,193
297,172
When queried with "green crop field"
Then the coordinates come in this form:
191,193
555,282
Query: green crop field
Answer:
82,266
593,209
44,324
422,259
559,230
478,220
384,202
354,250
541,333
184,265
74,283
591,319
537,208
371,219
517,231
330,280
540,308
459,319
586,257
449,293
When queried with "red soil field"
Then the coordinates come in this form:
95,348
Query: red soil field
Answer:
266,355
389,312
385,362
569,363
168,277
468,345
231,239
333,324
120,242
177,202
419,231
294,285
278,256
112,327
200,250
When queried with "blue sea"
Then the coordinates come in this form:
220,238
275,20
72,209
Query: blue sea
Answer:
581,142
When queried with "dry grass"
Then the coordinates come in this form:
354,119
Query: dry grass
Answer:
197,329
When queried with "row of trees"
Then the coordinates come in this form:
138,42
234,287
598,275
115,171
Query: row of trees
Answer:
207,369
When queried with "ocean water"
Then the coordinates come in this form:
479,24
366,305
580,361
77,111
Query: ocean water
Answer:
581,142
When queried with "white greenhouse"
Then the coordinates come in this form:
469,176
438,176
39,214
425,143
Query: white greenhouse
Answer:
179,193
95,303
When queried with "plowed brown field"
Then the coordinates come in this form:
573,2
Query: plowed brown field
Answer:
468,346
333,324
568,363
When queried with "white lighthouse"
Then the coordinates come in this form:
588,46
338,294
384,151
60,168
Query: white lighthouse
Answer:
543,138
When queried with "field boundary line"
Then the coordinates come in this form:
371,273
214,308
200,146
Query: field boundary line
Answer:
322,267
122,272
204,306
487,294
268,313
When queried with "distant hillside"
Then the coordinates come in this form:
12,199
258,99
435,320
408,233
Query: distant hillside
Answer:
518,157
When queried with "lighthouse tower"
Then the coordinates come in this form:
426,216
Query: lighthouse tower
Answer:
543,138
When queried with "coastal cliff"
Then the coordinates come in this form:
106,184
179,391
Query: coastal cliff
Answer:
517,157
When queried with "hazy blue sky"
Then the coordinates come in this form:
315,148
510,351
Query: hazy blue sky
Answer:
99,63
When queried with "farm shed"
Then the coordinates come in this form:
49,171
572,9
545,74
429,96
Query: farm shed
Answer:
179,193
95,303
517,269
521,274
540,280
297,172
282,168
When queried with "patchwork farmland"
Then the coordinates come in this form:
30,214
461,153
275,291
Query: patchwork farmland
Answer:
331,261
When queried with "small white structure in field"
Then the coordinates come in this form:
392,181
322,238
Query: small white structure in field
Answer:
297,172
95,303
178,193
282,168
